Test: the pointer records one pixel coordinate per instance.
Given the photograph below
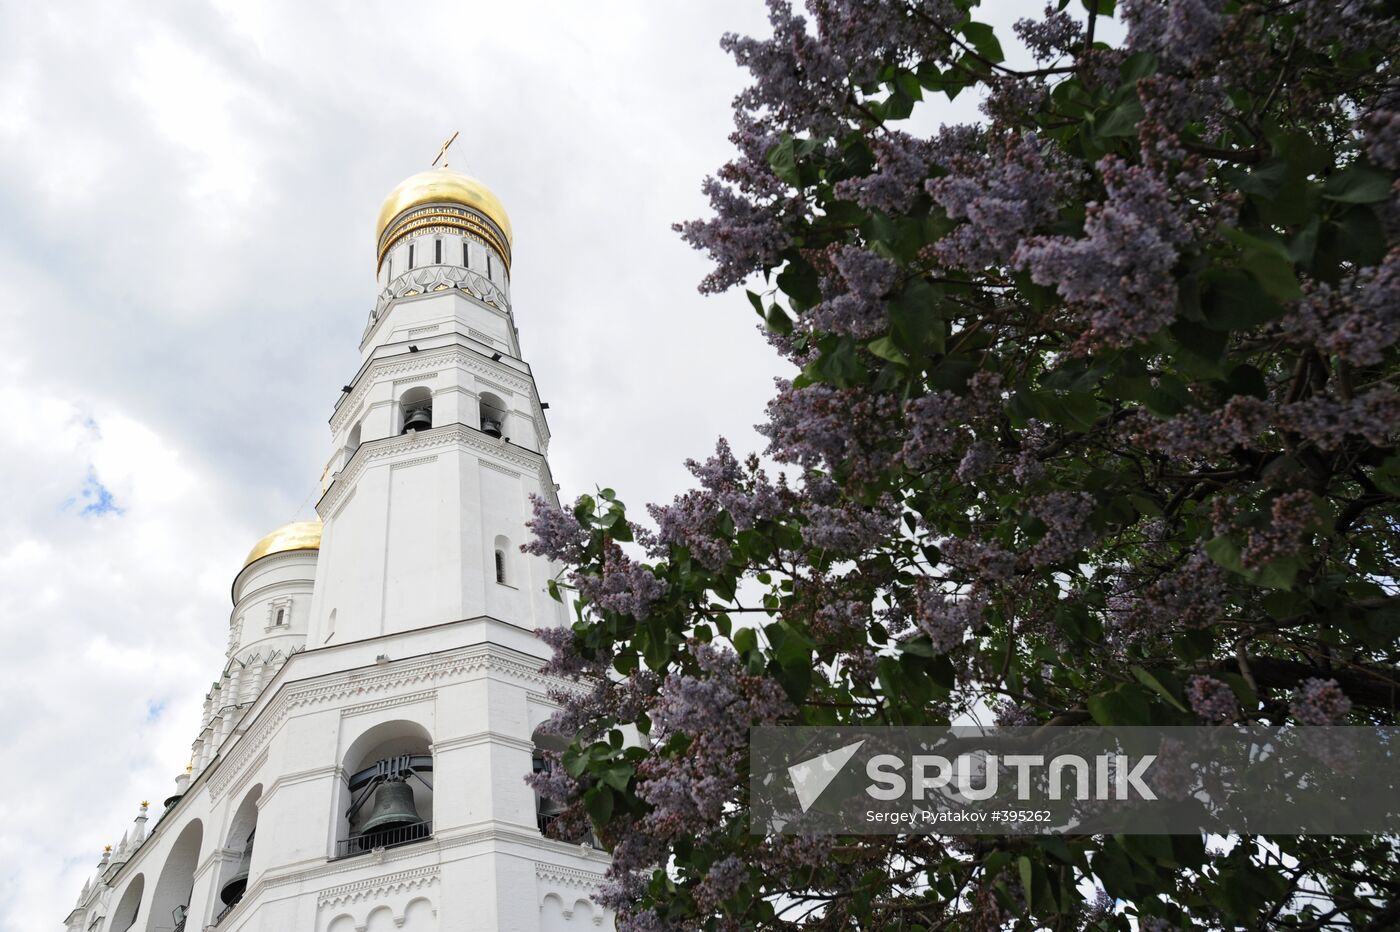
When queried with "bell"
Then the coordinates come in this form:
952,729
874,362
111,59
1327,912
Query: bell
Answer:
233,888
393,808
490,426
418,419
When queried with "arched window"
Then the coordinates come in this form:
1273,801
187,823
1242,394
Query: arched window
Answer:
234,871
387,797
437,252
130,906
493,415
353,442
466,256
410,257
549,745
416,410
172,894
502,548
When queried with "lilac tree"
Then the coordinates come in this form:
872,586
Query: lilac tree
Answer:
1092,418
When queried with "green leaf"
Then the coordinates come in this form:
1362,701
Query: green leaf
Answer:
1122,120
885,349
1234,301
1027,871
745,640
1225,552
1136,66
756,301
982,38
783,160
1122,705
1268,261
778,321
617,776
598,803
1358,184
1152,683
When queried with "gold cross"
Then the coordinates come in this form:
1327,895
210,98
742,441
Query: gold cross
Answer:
442,153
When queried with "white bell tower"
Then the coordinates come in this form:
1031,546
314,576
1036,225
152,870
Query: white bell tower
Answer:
440,439
362,759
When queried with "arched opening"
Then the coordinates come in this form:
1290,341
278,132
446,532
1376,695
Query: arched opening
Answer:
416,410
129,906
234,872
388,792
171,900
493,415
353,442
549,744
502,559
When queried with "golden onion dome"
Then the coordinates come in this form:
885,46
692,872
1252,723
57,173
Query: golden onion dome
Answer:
447,188
299,535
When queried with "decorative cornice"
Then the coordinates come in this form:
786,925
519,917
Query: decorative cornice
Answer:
567,876
377,887
499,468
421,441
473,659
420,461
417,378
428,360
235,781
484,737
435,279
345,501
427,695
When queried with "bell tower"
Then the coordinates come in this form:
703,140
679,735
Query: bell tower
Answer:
439,438
362,756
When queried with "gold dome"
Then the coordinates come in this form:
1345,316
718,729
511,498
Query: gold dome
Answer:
439,186
299,535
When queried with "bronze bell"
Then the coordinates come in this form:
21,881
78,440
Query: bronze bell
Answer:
490,426
420,418
393,808
233,888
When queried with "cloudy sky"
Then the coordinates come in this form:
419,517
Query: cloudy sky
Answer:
187,198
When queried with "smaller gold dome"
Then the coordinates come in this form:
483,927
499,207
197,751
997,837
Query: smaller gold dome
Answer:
442,186
299,535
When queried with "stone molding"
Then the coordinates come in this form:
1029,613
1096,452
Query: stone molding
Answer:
394,367
484,737
377,887
477,658
567,876
432,278
501,469
437,437
416,378
420,461
235,784
344,503
364,708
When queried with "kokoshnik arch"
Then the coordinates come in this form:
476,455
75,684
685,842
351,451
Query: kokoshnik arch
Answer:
361,759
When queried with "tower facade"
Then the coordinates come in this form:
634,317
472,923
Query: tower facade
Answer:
361,761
